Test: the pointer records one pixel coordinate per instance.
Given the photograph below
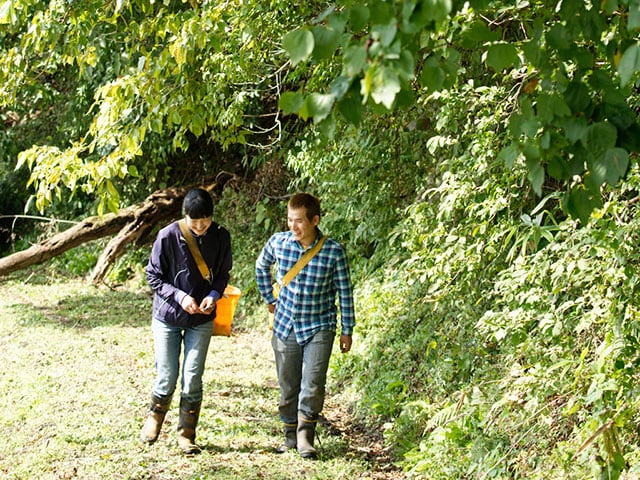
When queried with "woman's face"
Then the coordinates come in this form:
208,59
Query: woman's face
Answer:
199,226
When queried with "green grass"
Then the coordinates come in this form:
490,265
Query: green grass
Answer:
78,368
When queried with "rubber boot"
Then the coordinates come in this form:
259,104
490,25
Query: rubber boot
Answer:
158,408
290,438
187,423
305,433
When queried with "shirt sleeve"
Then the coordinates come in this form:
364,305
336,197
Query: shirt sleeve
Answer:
263,272
342,281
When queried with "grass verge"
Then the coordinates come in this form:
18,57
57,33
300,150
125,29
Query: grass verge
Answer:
78,368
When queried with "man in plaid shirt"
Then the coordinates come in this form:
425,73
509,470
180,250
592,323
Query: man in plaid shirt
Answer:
305,317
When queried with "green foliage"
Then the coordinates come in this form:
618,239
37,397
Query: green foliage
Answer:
160,77
477,159
571,69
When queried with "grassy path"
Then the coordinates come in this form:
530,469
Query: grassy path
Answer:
78,365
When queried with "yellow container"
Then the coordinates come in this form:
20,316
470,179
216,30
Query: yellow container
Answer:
225,309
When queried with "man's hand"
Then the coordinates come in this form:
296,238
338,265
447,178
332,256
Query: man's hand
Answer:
345,343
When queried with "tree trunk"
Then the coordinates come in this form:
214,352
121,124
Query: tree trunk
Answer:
132,224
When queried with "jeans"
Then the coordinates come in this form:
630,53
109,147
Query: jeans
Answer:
302,374
168,342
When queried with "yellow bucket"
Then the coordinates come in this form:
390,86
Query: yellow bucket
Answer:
225,309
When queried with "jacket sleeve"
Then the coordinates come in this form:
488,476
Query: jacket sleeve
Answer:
221,279
158,270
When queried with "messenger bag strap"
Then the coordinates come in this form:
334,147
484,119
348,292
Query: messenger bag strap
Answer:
195,251
300,264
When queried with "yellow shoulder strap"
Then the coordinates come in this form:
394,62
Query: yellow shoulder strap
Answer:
304,259
195,251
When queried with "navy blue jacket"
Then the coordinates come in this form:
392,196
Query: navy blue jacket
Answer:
172,273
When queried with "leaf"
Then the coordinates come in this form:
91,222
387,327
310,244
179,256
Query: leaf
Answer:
7,13
617,162
501,56
327,127
406,65
536,175
354,60
340,86
600,137
432,78
385,33
326,41
577,96
290,102
431,11
574,128
299,45
629,64
479,33
550,106
358,17
509,154
350,106
385,86
319,106
634,15
580,203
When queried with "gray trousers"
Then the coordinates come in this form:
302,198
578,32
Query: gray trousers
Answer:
302,374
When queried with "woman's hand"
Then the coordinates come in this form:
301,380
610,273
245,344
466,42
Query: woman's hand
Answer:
189,305
207,305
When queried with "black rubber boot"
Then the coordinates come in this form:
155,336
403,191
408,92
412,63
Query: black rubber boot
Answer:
158,408
290,438
305,434
187,423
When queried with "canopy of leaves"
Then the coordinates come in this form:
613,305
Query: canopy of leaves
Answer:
141,80
571,66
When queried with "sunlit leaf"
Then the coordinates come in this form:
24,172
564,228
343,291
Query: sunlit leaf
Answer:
629,63
385,86
298,44
319,106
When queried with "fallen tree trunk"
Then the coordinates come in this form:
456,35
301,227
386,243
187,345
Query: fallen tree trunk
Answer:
132,224
161,206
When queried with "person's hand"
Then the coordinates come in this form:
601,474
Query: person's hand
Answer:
345,343
189,305
207,305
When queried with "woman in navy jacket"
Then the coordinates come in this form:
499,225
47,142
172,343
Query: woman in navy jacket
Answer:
184,305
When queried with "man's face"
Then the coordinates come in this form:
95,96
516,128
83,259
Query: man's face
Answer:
303,229
199,226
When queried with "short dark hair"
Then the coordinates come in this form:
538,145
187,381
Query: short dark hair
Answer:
307,201
197,204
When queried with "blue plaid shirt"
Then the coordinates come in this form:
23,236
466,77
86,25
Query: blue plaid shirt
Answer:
308,304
